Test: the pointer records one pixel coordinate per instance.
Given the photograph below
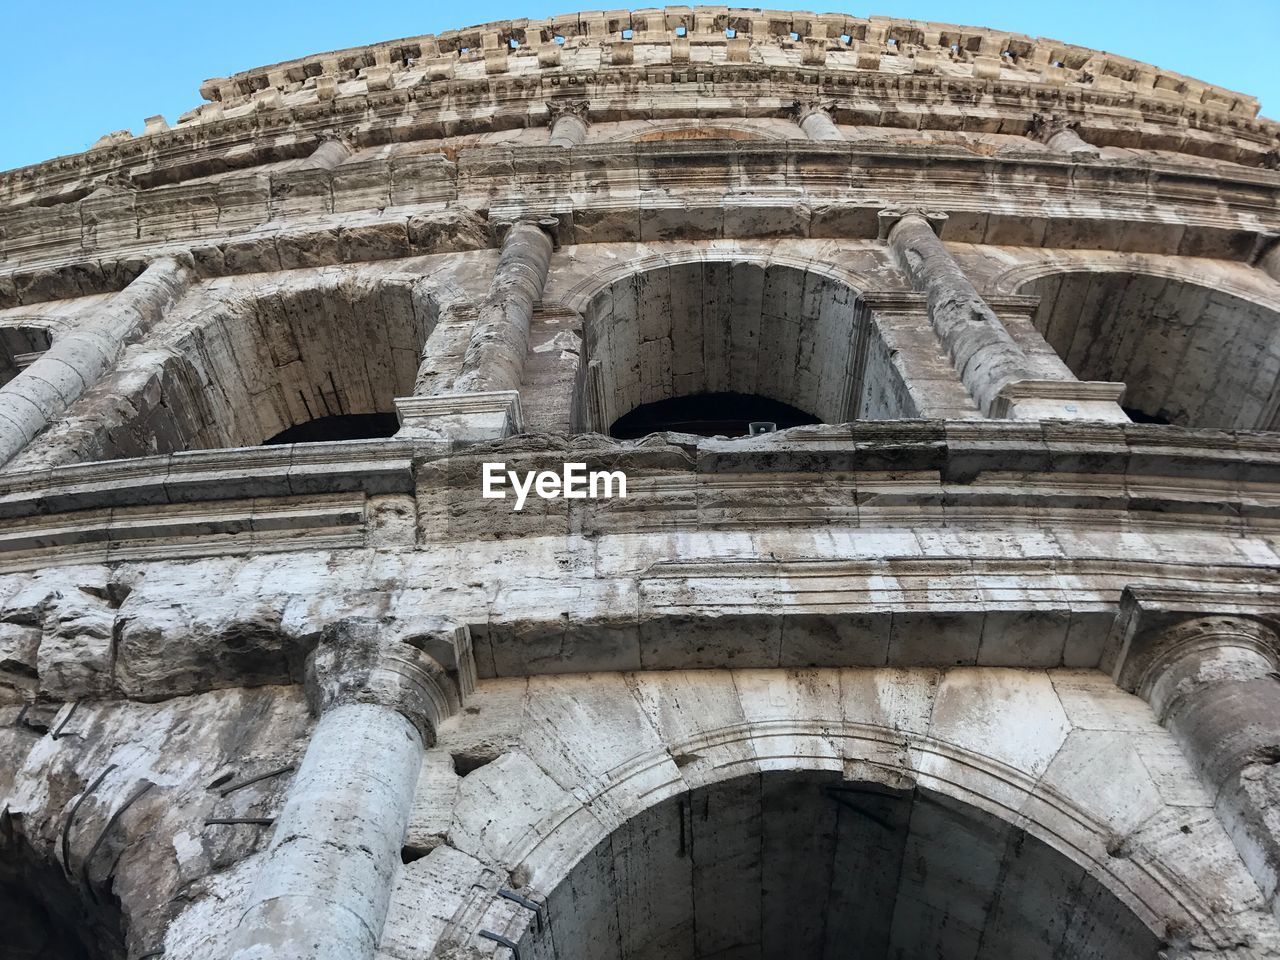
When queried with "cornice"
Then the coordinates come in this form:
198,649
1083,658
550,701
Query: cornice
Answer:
470,103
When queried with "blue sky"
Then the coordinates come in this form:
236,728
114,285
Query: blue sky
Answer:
75,70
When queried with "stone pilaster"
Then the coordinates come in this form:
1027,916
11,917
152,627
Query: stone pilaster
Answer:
75,361
324,884
568,122
1002,379
814,118
1212,681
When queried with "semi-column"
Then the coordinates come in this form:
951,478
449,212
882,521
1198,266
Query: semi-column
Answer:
815,120
324,883
77,359
1062,136
1213,682
331,151
1002,379
483,401
499,341
568,122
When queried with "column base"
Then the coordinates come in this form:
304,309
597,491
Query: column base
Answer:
1060,400
468,417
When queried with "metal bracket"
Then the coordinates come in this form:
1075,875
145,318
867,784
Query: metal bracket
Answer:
66,826
84,867
503,941
525,902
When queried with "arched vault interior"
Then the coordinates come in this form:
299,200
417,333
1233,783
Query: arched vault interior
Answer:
1189,354
782,865
775,331
332,352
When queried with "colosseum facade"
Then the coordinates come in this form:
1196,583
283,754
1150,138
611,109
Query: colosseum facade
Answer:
939,619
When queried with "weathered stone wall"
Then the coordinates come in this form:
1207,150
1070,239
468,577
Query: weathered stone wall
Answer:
974,666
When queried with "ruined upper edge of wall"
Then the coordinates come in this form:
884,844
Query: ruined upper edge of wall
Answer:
779,43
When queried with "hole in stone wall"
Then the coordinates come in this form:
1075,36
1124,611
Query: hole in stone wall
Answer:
471,760
628,34
707,415
412,852
681,31
1189,354
351,426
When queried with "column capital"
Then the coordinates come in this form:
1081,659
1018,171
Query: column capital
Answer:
356,662
890,217
803,108
566,107
503,229
1158,629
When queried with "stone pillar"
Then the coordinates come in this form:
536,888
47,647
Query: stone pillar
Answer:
568,122
1002,379
76,360
815,120
500,338
1213,682
324,884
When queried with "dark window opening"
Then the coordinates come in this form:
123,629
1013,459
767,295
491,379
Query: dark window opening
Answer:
348,426
708,415
1141,416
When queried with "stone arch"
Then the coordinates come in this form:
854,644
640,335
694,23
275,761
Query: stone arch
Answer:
1189,352
731,324
808,863
563,843
48,916
570,760
255,365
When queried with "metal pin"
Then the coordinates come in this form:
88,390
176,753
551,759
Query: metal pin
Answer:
260,821
262,776
57,732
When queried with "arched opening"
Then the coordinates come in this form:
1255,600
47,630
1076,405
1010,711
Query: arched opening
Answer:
808,864
1189,354
351,426
46,916
708,415
19,348
712,342
299,364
